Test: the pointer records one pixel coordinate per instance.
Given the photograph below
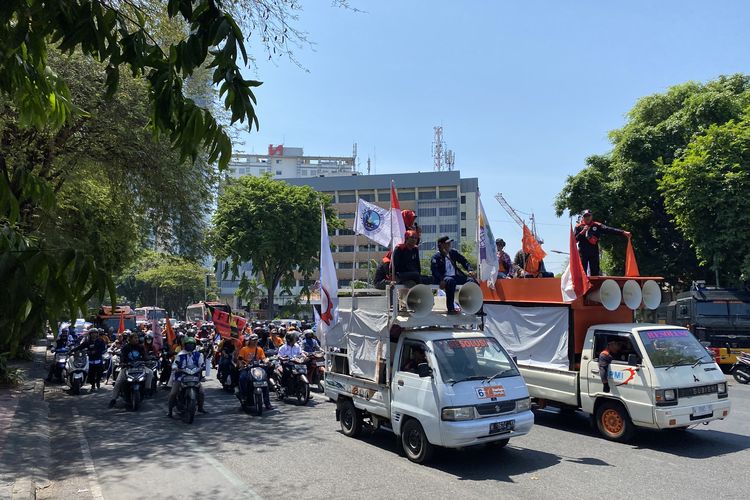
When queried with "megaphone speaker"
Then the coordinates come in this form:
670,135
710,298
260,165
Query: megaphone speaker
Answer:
651,294
608,295
419,301
631,294
470,298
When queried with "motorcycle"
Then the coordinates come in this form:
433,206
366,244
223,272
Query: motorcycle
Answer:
294,371
152,363
252,396
59,362
135,381
741,369
187,398
106,364
227,373
165,362
316,368
114,367
77,370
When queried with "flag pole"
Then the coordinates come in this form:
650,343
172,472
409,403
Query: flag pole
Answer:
478,235
354,264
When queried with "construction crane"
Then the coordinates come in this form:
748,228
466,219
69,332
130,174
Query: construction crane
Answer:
506,206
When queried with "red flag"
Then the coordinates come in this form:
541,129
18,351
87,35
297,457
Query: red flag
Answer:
398,228
574,282
121,328
631,266
227,324
171,337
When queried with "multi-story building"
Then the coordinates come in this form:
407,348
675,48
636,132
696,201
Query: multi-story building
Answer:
445,204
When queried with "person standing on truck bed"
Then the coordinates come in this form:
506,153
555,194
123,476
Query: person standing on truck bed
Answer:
587,233
605,359
447,274
406,265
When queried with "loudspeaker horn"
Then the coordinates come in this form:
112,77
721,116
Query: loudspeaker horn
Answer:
651,294
470,298
419,301
631,294
608,295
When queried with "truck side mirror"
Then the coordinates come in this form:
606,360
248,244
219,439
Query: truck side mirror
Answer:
633,359
424,370
515,359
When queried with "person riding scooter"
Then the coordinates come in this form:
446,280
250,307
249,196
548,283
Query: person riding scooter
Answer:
247,355
95,348
191,358
288,351
132,353
310,343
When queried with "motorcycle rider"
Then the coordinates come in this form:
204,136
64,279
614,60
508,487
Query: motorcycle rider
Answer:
95,347
310,343
60,343
149,346
288,351
189,357
132,352
249,353
227,352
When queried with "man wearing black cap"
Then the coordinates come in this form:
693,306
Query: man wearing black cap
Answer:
505,265
446,273
587,233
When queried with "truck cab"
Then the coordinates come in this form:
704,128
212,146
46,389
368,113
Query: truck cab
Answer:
437,380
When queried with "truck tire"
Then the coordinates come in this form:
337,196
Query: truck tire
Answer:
414,442
613,422
351,420
502,443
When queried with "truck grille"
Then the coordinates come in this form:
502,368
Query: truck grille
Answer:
701,390
488,409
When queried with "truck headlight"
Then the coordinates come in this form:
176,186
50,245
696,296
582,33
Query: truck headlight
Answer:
523,405
458,413
666,397
722,388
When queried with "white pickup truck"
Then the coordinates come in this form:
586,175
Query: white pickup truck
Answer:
431,379
661,377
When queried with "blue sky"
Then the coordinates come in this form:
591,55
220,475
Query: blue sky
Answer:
524,90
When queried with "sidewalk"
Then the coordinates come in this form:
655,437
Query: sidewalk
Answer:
24,431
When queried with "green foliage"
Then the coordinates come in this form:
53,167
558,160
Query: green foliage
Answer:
271,223
8,375
707,191
249,290
622,186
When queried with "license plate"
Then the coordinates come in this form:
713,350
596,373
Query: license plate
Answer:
261,384
188,378
500,427
702,410
494,391
320,363
78,375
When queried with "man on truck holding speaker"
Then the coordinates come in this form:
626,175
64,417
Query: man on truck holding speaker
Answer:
446,273
587,234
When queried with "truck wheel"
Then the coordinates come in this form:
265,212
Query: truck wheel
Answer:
351,420
499,444
613,422
414,442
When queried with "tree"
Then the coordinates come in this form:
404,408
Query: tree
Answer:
271,223
707,191
621,187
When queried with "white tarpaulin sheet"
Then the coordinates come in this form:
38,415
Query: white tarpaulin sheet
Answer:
538,336
363,353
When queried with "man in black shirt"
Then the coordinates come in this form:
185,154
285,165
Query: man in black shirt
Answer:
406,265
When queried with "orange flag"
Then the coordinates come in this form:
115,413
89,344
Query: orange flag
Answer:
121,328
631,266
171,337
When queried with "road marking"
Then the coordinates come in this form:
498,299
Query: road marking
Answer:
246,491
96,491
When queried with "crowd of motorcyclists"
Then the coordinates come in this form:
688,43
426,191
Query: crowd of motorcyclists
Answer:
284,358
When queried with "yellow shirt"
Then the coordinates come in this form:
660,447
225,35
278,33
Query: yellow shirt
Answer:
249,354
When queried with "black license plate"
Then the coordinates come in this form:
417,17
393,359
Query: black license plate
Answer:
500,427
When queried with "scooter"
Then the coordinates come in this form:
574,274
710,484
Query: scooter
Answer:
294,372
114,370
152,363
227,373
187,398
166,365
135,382
252,396
59,362
316,368
741,369
77,370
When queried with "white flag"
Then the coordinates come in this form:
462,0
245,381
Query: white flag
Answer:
329,285
488,263
373,222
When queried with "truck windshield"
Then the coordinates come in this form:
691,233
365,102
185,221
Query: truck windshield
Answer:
472,359
673,347
194,313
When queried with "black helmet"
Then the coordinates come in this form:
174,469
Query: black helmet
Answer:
290,338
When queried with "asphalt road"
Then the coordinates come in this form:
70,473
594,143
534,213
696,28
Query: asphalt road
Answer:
299,452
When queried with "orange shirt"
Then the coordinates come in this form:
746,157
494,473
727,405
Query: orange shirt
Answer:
277,340
249,354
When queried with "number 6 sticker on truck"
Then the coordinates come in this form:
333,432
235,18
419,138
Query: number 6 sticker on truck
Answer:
495,391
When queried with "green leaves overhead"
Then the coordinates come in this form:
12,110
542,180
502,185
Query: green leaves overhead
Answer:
117,34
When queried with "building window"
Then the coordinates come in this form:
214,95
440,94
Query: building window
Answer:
346,232
347,197
381,248
367,248
427,194
384,195
345,248
278,172
463,231
448,194
278,161
428,245
463,198
448,228
363,265
405,195
429,228
345,265
344,283
463,215
367,196
427,212
346,215
448,211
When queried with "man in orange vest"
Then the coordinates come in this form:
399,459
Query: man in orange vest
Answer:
587,234
505,265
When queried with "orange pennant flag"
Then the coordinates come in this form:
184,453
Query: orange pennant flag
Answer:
121,327
171,337
631,266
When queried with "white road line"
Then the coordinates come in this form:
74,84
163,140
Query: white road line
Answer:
96,491
246,491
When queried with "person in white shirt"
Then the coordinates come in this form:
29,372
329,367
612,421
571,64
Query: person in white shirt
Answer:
291,349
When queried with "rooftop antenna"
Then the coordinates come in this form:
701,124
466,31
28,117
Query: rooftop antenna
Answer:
368,165
438,147
354,157
450,159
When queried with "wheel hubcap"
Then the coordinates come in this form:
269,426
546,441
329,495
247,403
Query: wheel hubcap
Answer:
612,422
347,419
414,441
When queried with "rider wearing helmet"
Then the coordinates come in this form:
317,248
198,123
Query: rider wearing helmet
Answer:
149,346
288,351
248,354
310,343
132,353
189,357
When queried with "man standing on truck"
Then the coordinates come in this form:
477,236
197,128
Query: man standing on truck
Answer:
605,359
447,274
587,233
406,265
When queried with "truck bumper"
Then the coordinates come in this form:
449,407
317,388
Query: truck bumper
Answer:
474,432
669,418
